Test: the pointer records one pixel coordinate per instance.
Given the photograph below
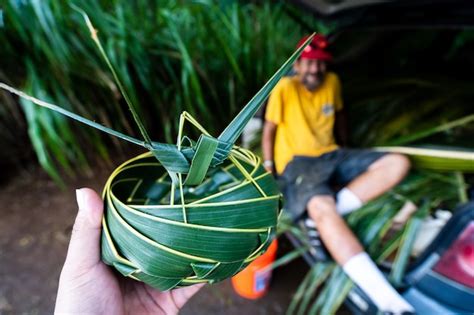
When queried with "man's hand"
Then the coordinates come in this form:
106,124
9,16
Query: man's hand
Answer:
269,166
268,143
88,286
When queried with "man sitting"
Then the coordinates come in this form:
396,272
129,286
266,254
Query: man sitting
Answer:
299,145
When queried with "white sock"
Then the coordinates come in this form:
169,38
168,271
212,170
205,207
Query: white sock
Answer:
347,201
363,271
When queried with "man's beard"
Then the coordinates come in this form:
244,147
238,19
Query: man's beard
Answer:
313,84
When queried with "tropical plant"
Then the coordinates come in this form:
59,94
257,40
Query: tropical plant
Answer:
203,57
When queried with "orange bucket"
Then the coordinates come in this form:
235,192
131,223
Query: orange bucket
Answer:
252,282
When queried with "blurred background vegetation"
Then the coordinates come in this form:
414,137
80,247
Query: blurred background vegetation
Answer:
209,57
205,57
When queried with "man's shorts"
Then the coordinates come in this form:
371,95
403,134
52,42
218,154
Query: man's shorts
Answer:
305,177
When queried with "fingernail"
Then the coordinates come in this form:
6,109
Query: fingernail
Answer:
80,197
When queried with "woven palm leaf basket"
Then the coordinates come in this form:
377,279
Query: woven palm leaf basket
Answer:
190,212
171,237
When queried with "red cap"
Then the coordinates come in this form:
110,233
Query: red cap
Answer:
316,49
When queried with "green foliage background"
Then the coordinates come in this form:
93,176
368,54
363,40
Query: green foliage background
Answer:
209,58
205,57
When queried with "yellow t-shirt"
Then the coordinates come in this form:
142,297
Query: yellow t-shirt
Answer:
304,119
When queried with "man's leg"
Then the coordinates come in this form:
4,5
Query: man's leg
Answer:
336,235
348,253
380,176
342,244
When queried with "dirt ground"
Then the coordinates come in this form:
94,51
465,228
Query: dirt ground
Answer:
35,225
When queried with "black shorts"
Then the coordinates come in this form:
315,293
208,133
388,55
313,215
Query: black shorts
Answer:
305,177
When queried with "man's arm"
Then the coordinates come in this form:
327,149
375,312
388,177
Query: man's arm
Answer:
268,143
342,128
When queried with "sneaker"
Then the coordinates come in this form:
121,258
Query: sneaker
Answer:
317,249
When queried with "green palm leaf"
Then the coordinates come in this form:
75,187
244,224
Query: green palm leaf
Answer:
437,158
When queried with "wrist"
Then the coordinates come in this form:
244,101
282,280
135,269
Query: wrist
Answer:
268,163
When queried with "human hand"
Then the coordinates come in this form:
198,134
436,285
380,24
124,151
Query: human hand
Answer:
269,166
88,286
269,169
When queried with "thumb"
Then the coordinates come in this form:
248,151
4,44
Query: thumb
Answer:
84,247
